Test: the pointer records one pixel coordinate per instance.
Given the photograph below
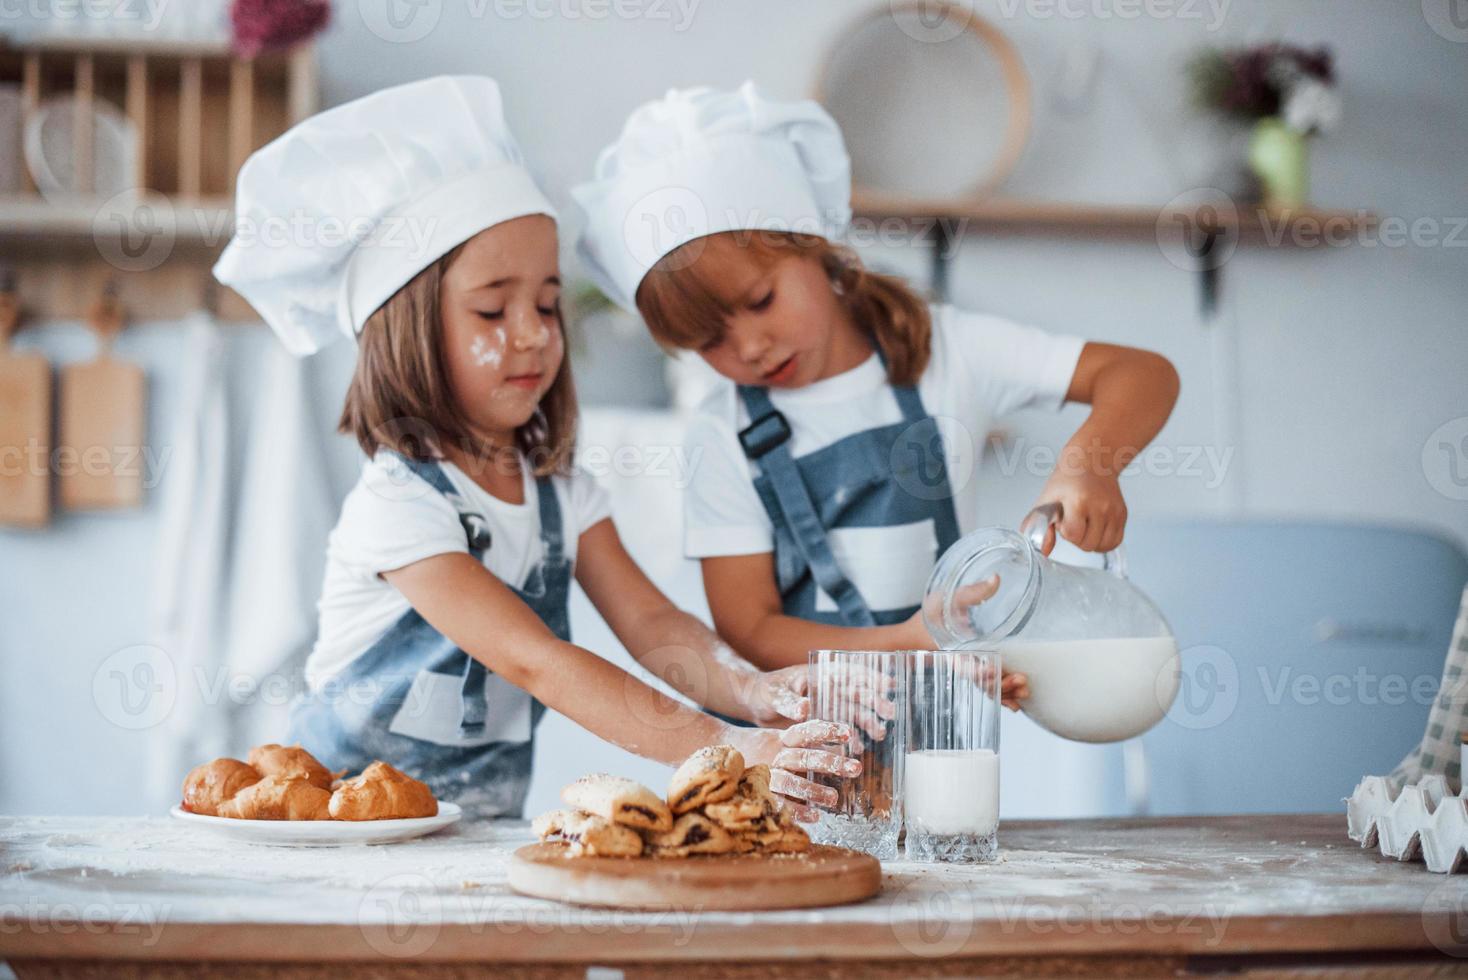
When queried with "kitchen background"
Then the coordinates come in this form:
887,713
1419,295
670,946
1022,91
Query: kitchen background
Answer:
1304,515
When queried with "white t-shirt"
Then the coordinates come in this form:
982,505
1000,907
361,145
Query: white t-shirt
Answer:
982,367
393,518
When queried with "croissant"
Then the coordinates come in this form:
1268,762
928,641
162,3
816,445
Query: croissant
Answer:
208,786
278,797
290,761
382,793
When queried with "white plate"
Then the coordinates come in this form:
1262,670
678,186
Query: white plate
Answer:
323,833
50,144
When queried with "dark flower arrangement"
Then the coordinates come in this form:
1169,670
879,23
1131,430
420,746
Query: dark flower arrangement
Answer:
269,25
1292,83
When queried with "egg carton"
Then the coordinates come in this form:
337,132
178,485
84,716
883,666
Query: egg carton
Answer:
1425,820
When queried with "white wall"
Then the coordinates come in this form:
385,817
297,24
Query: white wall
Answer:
1346,358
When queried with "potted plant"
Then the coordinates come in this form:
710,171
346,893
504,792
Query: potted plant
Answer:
1287,93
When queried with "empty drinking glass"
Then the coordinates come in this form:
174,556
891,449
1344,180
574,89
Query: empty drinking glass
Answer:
951,781
860,689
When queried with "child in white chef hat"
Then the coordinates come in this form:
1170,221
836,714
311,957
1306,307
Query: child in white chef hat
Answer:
407,222
826,489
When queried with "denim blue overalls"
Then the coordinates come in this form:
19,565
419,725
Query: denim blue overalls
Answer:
417,701
884,477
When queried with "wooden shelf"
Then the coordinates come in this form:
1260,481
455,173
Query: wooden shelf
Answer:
1205,231
1254,223
205,222
198,112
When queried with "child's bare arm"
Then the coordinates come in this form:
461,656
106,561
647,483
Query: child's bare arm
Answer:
676,647
463,601
1131,393
746,607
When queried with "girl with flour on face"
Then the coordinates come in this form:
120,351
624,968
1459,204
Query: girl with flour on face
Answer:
824,494
443,621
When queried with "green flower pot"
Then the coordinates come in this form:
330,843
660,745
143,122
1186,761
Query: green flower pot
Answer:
1280,158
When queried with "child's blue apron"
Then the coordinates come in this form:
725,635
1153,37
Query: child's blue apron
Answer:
415,700
884,477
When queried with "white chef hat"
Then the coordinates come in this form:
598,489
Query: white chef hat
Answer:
700,161
344,209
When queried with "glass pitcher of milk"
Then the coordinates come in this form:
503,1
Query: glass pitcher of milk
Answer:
1101,660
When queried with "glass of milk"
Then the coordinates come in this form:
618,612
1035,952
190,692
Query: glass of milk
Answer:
862,689
951,771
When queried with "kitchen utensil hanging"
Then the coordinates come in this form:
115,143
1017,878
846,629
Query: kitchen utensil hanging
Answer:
933,100
103,411
25,424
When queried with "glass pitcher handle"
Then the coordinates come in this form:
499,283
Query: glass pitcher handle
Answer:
1040,520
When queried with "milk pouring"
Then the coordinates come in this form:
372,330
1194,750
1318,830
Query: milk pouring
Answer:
1102,690
1101,660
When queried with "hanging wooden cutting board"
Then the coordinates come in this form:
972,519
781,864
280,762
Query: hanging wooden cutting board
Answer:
737,882
100,462
25,428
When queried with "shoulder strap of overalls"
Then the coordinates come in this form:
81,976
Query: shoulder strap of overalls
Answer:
766,440
552,534
475,708
552,538
945,518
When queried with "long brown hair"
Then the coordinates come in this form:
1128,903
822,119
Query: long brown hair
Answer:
400,397
684,308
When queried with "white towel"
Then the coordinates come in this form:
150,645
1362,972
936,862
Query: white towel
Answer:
287,509
186,600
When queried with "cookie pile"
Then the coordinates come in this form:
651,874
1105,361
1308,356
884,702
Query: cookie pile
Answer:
285,782
714,806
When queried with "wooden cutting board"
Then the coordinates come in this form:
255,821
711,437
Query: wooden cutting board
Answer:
100,461
25,429
736,882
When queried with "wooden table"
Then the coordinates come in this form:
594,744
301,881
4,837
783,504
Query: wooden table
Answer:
1251,895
